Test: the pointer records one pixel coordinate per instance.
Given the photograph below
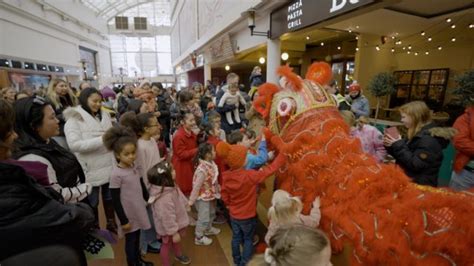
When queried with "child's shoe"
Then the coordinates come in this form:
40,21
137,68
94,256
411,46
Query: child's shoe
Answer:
183,259
142,262
220,220
212,231
202,241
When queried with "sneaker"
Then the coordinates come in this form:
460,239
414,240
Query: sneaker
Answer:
152,249
220,220
183,259
256,239
212,231
142,262
202,241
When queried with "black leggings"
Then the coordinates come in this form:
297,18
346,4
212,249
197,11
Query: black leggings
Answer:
132,247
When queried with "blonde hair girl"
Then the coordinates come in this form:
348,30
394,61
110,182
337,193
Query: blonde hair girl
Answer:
286,210
415,115
59,88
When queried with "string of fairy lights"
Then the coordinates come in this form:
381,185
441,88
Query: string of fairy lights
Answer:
429,36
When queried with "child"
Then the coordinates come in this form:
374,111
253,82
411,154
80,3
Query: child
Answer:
214,118
298,245
128,191
254,161
370,137
240,195
286,210
184,145
205,192
145,126
232,97
169,211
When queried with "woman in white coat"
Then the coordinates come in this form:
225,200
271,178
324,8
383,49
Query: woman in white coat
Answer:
85,125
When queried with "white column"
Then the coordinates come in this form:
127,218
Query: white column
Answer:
273,59
207,73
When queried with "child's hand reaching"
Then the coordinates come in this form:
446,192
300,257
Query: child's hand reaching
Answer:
316,202
126,227
271,155
176,238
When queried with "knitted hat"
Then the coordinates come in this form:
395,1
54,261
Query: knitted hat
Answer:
107,93
354,87
233,155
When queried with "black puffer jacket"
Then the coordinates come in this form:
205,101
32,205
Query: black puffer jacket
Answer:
31,216
421,157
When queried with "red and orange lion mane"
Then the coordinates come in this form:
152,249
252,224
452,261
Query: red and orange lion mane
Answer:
372,207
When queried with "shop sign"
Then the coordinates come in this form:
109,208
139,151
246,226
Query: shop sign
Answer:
299,14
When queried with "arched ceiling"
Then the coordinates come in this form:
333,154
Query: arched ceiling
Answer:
108,9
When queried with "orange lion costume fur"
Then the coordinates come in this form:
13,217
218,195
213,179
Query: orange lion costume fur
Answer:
387,219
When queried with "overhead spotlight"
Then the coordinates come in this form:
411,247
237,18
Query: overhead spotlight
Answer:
350,31
307,37
357,49
285,56
357,27
430,39
322,44
453,26
423,33
227,67
471,26
261,60
377,48
357,37
439,48
427,53
409,47
404,48
339,48
26,65
448,20
416,53
408,52
393,50
453,39
393,37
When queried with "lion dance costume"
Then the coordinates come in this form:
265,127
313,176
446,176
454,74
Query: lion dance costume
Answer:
374,207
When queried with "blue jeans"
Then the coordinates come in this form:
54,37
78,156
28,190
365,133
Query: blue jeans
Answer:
148,236
242,234
132,247
94,196
462,181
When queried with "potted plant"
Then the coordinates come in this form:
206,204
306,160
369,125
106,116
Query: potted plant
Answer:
381,85
465,88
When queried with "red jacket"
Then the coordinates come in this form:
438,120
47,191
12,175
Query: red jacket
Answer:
464,139
184,151
221,166
239,189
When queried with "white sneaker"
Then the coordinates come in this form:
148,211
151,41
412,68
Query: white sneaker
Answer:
212,231
202,241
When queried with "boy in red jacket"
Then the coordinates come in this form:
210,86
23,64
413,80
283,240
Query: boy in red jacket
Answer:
463,174
239,193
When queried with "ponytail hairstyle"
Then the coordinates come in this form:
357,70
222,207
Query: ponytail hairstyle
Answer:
161,174
136,122
115,139
285,209
420,114
298,245
203,149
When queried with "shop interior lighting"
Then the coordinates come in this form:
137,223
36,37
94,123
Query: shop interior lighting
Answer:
409,47
408,52
357,37
261,60
423,33
427,53
404,48
357,27
393,50
339,48
416,53
439,48
377,48
227,67
453,26
453,39
448,20
357,49
322,44
307,37
471,26
393,37
285,56
430,39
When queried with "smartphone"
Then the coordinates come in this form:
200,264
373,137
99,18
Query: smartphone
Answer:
392,132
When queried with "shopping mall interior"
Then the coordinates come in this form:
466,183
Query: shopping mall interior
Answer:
425,47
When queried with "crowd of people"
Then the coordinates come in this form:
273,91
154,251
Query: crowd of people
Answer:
160,160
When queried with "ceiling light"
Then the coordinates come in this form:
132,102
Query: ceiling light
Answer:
285,56
357,37
404,48
416,53
227,67
408,52
339,48
357,49
427,53
357,27
453,39
261,60
377,48
307,37
448,20
350,31
7,63
423,33
439,47
430,39
322,44
26,65
393,50
409,47
471,26
453,26
393,37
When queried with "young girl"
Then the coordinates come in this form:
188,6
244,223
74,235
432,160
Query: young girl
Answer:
128,191
286,210
184,145
169,211
205,192
145,126
297,245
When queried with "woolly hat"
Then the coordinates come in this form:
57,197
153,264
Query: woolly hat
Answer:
107,93
233,155
354,87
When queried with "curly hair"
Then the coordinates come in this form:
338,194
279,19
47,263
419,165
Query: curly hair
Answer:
117,137
136,122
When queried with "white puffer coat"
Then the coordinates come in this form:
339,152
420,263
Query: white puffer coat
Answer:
84,137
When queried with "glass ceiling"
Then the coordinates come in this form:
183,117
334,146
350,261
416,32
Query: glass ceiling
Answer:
108,9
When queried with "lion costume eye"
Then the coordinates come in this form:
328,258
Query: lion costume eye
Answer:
285,106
